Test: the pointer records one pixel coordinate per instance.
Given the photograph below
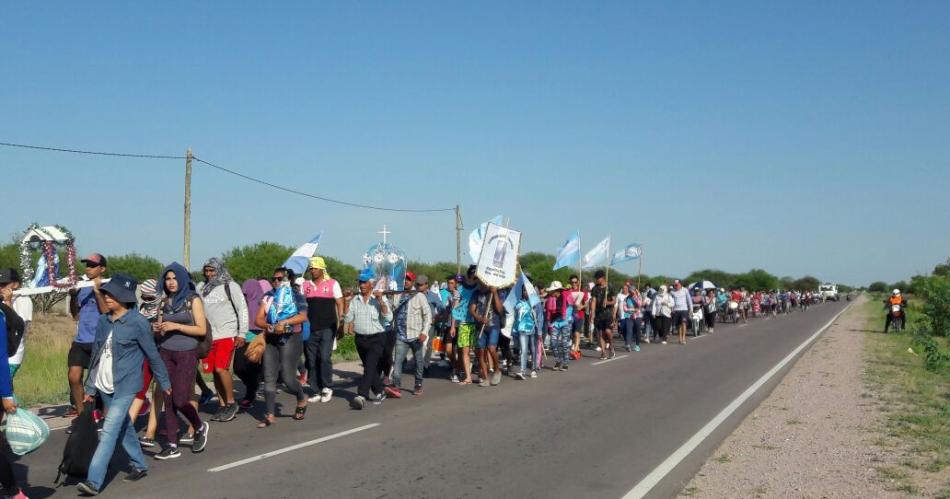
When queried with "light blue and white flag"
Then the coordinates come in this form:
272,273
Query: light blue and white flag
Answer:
570,253
300,259
598,255
631,252
477,237
514,296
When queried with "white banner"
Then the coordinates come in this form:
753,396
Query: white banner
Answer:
498,259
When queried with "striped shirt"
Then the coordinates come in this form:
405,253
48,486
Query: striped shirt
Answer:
365,315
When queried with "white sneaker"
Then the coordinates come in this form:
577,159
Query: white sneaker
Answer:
534,374
597,349
325,395
314,399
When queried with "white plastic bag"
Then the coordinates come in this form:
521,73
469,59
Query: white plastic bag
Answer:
25,431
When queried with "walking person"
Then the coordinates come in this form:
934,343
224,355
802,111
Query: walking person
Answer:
122,342
85,305
487,307
227,312
450,298
149,302
631,315
559,313
463,326
681,307
22,306
180,326
526,327
603,302
711,305
368,312
663,313
250,372
324,311
413,318
283,347
580,298
8,480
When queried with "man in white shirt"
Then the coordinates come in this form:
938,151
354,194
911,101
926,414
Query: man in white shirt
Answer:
681,307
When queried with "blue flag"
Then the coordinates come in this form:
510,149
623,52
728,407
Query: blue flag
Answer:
570,252
514,296
630,252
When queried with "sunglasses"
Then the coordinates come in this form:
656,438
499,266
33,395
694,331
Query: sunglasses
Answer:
92,265
277,278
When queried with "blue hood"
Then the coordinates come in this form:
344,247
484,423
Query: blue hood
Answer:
186,288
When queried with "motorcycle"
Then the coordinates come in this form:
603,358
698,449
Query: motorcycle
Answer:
696,319
732,311
897,318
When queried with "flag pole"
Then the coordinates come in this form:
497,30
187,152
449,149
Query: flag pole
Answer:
639,267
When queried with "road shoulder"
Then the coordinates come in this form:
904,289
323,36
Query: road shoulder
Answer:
810,437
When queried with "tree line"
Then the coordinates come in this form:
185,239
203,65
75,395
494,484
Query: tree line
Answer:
259,260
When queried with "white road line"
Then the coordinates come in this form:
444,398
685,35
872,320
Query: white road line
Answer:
690,445
291,448
609,360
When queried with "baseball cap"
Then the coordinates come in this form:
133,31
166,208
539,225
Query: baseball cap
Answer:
121,287
9,275
318,262
367,275
95,259
410,276
422,279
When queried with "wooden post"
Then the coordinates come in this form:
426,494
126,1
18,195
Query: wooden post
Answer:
187,243
458,240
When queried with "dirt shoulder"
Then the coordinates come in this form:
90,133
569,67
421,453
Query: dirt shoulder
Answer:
812,436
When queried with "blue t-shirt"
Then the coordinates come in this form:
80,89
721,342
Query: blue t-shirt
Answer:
88,316
524,319
460,312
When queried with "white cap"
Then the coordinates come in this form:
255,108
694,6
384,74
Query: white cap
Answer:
555,285
896,291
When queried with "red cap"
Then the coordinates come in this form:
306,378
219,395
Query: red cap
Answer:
410,276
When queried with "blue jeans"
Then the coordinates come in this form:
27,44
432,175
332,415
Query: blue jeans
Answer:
561,343
631,331
402,348
117,427
529,345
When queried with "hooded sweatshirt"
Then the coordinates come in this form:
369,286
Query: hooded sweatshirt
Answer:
174,309
253,293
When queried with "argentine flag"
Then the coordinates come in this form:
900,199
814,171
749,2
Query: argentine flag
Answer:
570,253
515,294
631,252
300,259
598,255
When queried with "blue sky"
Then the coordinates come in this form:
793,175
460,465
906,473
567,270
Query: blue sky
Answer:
807,138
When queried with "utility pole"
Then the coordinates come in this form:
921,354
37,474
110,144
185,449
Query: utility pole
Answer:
187,249
458,240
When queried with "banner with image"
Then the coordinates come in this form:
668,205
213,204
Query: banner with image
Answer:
498,259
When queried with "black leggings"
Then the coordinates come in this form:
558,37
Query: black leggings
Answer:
663,324
248,372
710,320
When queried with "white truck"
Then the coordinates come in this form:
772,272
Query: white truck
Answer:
828,292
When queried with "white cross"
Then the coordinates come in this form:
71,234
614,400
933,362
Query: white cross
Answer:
385,233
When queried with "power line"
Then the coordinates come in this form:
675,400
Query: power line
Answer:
96,153
314,196
227,170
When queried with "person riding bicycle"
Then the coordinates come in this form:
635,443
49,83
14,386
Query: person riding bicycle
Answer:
898,299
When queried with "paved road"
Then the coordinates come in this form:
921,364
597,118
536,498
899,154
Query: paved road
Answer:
595,431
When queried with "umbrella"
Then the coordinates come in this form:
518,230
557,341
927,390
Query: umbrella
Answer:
300,259
704,285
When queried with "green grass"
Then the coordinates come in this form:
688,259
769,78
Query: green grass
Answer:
723,459
915,401
42,376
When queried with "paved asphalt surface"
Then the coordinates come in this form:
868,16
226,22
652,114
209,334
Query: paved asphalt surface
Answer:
594,431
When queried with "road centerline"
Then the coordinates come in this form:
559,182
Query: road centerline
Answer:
261,457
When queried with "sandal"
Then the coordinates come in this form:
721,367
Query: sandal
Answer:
299,413
266,423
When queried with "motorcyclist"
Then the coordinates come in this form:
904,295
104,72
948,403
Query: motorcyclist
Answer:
896,298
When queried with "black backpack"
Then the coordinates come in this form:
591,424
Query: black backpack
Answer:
80,446
15,327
